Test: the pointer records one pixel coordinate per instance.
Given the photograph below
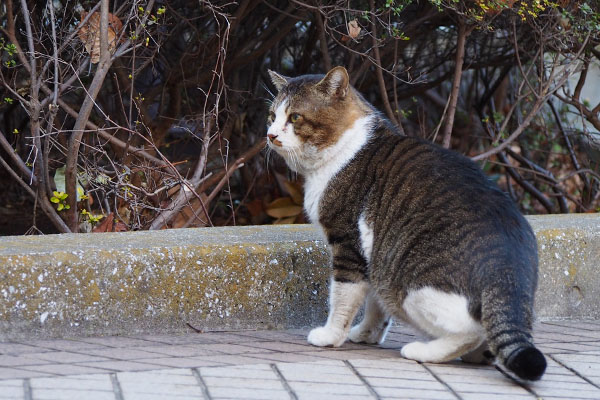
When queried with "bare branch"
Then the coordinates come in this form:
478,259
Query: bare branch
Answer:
463,32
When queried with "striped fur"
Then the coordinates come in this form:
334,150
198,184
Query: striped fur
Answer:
435,241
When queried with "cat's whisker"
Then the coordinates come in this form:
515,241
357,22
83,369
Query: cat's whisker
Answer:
296,162
268,157
268,90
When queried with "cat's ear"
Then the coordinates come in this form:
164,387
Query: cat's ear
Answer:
335,83
279,81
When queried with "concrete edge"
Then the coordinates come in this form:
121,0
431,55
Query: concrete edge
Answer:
260,277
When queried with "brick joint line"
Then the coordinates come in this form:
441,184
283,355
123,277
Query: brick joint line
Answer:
440,380
573,371
27,394
201,383
370,388
518,382
117,390
284,382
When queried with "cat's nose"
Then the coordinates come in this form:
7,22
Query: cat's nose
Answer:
272,137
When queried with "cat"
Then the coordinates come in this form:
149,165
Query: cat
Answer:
417,232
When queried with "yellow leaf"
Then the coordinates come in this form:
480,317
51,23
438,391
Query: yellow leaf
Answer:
283,207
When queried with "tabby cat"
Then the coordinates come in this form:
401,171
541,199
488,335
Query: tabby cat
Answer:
417,232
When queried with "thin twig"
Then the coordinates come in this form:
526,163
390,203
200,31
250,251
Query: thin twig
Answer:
463,32
379,73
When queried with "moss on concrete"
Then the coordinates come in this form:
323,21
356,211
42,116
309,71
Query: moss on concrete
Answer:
220,278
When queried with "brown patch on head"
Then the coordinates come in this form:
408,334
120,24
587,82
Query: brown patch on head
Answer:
321,108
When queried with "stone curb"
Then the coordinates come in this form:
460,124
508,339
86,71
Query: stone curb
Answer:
261,277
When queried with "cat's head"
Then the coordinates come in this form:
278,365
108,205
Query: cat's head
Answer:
310,114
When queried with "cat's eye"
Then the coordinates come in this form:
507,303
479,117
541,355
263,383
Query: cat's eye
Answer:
294,117
271,116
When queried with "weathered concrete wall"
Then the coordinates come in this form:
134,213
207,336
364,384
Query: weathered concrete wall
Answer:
125,283
569,278
219,278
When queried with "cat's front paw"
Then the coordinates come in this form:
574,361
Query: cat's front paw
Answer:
417,351
360,335
325,336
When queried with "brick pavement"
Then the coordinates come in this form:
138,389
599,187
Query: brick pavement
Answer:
282,365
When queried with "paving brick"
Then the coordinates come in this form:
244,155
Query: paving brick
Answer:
415,394
239,365
70,394
276,335
17,360
168,383
393,374
178,376
399,364
237,393
63,357
492,396
257,371
338,355
121,353
284,347
329,396
590,393
430,384
285,357
584,368
230,348
63,345
243,383
11,373
235,359
182,362
569,347
340,388
160,396
11,389
116,341
81,382
509,388
184,350
117,365
17,348
64,369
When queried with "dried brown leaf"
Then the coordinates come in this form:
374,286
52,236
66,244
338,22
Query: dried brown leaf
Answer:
283,207
285,221
89,33
353,29
295,191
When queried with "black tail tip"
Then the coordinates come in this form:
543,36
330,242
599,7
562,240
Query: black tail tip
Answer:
527,363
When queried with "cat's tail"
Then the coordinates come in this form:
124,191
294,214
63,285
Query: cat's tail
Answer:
506,315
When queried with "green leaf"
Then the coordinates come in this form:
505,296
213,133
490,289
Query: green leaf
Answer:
59,180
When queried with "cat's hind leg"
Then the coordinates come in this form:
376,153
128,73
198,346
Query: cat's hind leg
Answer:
374,325
345,298
445,317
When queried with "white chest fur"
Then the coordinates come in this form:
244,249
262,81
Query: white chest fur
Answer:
331,161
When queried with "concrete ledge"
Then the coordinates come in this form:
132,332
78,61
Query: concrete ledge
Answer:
223,278
156,282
